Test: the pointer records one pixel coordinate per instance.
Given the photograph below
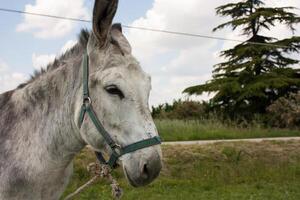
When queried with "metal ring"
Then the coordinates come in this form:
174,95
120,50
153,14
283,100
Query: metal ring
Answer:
87,101
117,148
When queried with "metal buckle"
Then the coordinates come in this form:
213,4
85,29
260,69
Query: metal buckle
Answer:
117,148
87,101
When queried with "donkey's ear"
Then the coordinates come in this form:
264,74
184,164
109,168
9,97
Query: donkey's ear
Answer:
103,14
119,39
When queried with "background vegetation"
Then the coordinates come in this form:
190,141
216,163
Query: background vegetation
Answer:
192,120
180,130
258,71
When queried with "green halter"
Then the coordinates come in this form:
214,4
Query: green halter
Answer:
117,150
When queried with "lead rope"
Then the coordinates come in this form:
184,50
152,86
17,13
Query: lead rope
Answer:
100,171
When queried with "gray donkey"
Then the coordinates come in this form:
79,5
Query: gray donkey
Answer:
45,122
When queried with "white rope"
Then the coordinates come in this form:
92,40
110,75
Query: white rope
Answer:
81,188
100,171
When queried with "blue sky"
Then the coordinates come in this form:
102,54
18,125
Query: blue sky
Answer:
174,62
17,47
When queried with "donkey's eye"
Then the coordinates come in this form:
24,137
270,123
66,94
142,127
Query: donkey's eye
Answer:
114,90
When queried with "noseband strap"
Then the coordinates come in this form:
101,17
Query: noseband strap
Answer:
86,108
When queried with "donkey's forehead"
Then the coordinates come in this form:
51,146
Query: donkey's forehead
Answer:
129,72
120,61
124,67
125,63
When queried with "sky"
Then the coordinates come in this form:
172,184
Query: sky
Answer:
174,62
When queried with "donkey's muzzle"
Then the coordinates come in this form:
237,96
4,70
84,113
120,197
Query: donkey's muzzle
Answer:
143,168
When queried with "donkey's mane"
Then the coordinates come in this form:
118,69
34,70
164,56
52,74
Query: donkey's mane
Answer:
8,115
83,38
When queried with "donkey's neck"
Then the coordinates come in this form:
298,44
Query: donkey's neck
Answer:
50,123
39,137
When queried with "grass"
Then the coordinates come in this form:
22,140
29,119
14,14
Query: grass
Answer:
179,130
227,171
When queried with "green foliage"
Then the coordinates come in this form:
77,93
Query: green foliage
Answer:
211,129
257,71
285,112
180,110
191,120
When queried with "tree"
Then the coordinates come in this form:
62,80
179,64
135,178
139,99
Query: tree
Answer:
259,70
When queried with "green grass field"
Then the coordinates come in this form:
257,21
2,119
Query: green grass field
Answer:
179,130
227,171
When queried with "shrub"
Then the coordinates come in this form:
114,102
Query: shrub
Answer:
180,110
285,112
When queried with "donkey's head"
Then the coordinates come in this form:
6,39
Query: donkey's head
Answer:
119,90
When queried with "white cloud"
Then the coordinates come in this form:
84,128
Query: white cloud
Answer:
9,79
43,27
166,89
177,62
69,44
42,60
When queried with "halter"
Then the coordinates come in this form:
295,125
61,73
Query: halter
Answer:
117,150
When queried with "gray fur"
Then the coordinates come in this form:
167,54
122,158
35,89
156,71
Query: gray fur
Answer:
39,134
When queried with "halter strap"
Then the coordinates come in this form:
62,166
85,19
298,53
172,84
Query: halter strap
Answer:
85,64
117,150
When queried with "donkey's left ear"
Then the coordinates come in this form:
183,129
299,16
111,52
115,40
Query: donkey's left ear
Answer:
103,15
119,39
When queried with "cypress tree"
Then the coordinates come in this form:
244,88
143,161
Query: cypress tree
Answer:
261,69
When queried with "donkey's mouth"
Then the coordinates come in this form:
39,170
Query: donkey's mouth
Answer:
131,182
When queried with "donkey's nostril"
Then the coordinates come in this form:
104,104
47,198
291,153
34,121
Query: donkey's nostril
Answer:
145,171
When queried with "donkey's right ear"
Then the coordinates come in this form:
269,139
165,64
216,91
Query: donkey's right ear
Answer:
103,15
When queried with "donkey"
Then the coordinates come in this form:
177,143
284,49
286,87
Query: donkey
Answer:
40,132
